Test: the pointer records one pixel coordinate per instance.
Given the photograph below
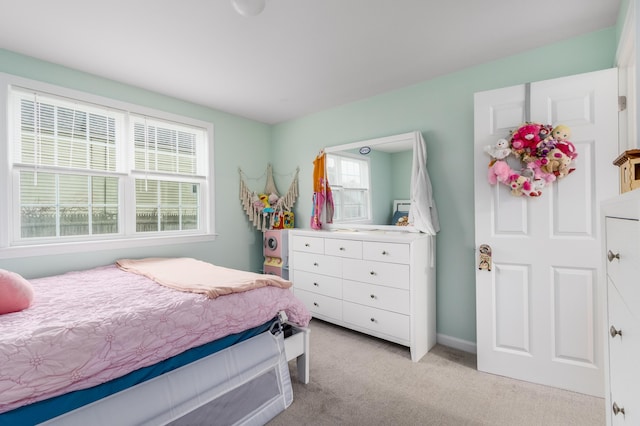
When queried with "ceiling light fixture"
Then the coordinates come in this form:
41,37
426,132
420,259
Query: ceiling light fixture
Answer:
248,7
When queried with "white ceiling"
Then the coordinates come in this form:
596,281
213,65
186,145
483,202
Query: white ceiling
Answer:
297,57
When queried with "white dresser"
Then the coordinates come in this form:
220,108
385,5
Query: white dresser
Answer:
622,228
379,283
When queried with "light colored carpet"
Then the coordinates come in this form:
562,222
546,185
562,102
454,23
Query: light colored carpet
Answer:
360,380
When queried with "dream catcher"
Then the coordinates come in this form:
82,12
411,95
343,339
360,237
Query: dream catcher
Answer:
268,209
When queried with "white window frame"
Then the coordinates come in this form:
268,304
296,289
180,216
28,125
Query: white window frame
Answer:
366,161
127,237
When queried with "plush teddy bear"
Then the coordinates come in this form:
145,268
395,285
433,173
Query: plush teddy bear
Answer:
557,163
500,150
526,136
499,172
519,184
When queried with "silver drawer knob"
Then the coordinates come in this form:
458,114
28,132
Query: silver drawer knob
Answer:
342,249
315,304
372,273
316,284
617,410
611,256
384,252
373,320
373,296
307,245
315,263
615,332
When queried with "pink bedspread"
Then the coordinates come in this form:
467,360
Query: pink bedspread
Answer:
85,328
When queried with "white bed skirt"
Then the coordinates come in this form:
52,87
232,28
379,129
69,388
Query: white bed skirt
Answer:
246,384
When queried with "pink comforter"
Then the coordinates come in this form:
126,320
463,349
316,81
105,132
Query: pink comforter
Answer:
85,328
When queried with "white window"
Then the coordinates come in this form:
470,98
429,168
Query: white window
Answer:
84,169
350,183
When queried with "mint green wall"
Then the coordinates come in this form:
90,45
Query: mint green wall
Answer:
238,244
442,109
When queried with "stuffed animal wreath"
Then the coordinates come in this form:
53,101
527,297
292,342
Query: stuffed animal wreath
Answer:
545,155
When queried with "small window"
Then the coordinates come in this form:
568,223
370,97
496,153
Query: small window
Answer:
350,183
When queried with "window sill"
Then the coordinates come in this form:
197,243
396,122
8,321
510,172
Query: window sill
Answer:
87,246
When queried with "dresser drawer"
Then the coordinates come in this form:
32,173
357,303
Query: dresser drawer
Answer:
377,320
386,252
388,274
318,264
321,305
623,242
623,357
307,244
316,283
343,248
376,296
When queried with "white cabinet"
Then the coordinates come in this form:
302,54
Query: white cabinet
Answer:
622,227
379,283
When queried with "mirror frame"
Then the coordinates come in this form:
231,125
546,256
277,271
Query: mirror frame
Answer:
394,143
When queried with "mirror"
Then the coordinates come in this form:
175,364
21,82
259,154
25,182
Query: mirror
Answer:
366,178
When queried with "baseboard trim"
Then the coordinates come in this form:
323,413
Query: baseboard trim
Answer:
454,342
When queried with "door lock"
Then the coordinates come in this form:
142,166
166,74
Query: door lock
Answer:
485,257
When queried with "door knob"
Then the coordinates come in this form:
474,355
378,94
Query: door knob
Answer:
615,332
611,256
617,410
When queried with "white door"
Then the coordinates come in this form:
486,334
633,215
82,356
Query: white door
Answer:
539,311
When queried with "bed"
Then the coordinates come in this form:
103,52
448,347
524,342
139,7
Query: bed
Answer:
109,346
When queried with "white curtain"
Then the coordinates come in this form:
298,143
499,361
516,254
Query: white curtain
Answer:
422,213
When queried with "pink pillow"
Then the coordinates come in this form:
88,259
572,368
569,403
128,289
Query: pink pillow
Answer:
16,293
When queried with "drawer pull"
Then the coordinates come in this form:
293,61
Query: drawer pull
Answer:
616,409
315,263
372,273
373,320
611,256
342,249
307,245
373,296
316,304
615,332
384,252
316,284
